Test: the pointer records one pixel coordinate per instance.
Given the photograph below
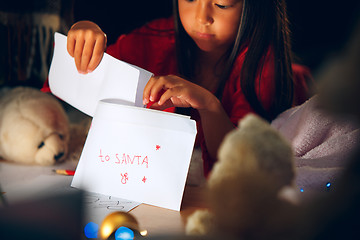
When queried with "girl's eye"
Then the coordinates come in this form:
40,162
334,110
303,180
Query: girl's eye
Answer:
222,6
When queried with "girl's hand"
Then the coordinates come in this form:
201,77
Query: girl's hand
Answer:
86,43
173,91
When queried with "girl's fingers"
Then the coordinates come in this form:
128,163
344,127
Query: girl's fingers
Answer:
165,97
79,46
147,90
86,43
174,97
87,55
172,91
87,49
97,54
161,89
156,89
70,44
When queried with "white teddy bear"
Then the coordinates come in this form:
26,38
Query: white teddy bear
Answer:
34,127
247,186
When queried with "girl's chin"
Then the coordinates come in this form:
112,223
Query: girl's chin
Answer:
206,47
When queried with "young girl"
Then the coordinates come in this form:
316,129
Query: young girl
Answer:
216,60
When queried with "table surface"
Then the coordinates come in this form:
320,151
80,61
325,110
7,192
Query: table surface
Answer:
156,220
161,221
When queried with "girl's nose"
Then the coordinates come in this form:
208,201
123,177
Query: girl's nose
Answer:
203,14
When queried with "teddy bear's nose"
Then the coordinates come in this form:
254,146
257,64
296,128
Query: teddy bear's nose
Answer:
58,156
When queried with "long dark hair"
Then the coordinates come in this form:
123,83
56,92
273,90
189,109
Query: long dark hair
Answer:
264,24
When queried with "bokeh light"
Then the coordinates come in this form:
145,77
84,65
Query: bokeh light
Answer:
124,233
91,229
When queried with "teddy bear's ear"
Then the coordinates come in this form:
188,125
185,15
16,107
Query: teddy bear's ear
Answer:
255,139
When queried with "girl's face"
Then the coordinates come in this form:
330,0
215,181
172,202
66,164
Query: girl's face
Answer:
212,24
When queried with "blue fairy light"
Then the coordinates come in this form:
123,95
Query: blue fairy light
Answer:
328,185
124,233
91,229
301,190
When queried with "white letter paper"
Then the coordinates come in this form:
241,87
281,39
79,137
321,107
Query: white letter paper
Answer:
111,79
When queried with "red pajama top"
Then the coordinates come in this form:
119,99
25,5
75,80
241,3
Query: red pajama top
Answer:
152,47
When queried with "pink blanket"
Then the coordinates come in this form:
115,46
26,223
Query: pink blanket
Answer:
322,143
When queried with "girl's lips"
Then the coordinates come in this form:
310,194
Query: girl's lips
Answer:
204,35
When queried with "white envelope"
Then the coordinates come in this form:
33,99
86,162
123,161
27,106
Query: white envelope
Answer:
138,154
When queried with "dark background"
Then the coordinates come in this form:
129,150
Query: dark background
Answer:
319,27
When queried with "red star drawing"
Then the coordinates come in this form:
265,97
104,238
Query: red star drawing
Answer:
144,179
158,147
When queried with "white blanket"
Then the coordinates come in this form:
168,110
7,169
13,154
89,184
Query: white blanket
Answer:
322,143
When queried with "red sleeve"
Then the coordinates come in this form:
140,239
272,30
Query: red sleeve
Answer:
151,47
